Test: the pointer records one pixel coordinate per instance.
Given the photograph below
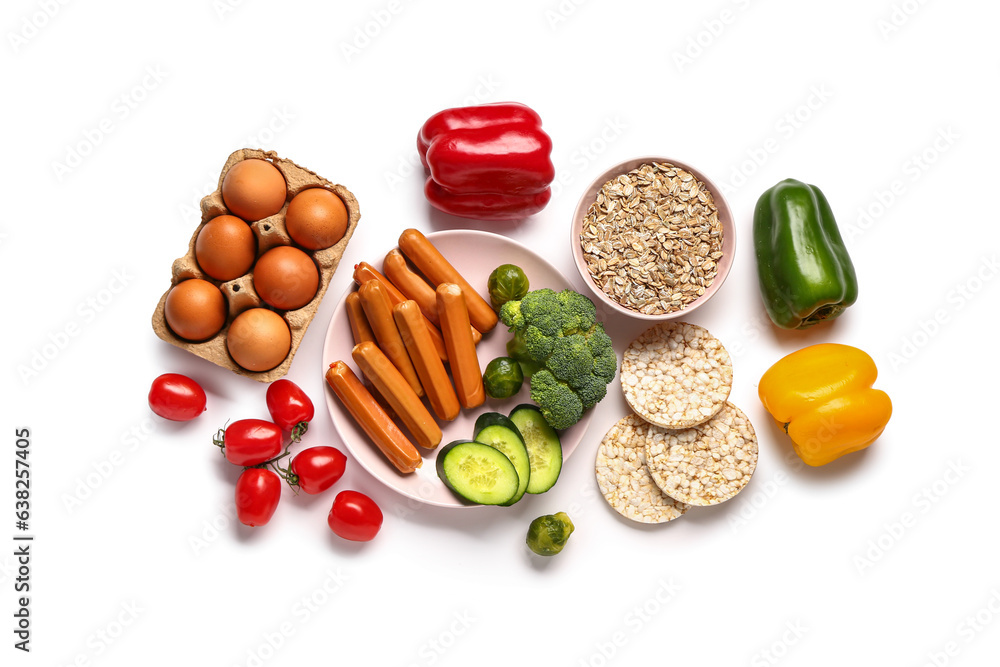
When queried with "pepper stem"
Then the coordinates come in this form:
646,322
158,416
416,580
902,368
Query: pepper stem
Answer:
822,314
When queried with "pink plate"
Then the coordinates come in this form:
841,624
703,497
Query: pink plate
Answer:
474,254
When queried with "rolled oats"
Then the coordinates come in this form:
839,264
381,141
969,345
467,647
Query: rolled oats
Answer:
661,218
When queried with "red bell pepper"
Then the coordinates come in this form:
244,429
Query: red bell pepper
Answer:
489,162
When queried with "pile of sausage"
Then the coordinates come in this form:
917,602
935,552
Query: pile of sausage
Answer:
405,329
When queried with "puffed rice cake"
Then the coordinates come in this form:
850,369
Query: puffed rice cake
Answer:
706,464
624,479
676,375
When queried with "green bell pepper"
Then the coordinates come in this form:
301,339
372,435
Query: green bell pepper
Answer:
806,275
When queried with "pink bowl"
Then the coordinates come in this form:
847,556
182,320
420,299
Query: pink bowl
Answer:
725,218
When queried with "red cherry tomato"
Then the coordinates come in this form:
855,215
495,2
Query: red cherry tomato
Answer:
318,468
257,493
249,442
354,516
289,406
177,397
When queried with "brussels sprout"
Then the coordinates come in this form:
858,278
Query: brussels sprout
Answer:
503,378
507,283
547,534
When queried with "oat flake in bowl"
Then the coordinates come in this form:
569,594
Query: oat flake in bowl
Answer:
652,240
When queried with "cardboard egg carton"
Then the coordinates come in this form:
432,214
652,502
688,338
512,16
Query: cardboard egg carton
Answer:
240,294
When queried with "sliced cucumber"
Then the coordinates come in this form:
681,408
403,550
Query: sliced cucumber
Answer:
491,419
499,432
542,443
477,473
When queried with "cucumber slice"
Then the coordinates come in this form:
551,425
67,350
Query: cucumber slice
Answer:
491,419
477,473
499,432
544,448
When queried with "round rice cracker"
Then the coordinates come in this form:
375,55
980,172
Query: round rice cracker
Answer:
624,479
706,464
676,375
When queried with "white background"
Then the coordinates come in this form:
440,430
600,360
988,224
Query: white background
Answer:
884,557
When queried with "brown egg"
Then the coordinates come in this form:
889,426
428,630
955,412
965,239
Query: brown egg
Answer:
258,339
225,248
316,218
254,189
286,278
195,309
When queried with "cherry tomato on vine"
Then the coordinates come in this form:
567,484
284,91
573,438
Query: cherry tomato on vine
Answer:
354,516
289,406
318,468
257,493
176,397
249,442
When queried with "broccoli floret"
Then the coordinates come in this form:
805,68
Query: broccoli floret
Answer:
558,333
605,359
542,310
510,314
578,313
530,345
537,343
571,358
560,405
591,390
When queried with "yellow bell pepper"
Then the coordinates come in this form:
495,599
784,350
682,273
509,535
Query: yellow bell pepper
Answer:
822,396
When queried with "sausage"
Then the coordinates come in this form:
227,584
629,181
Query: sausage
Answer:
433,376
410,284
365,272
458,341
372,419
387,379
360,328
432,264
378,310
414,287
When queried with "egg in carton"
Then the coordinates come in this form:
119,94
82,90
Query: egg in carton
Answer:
259,325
